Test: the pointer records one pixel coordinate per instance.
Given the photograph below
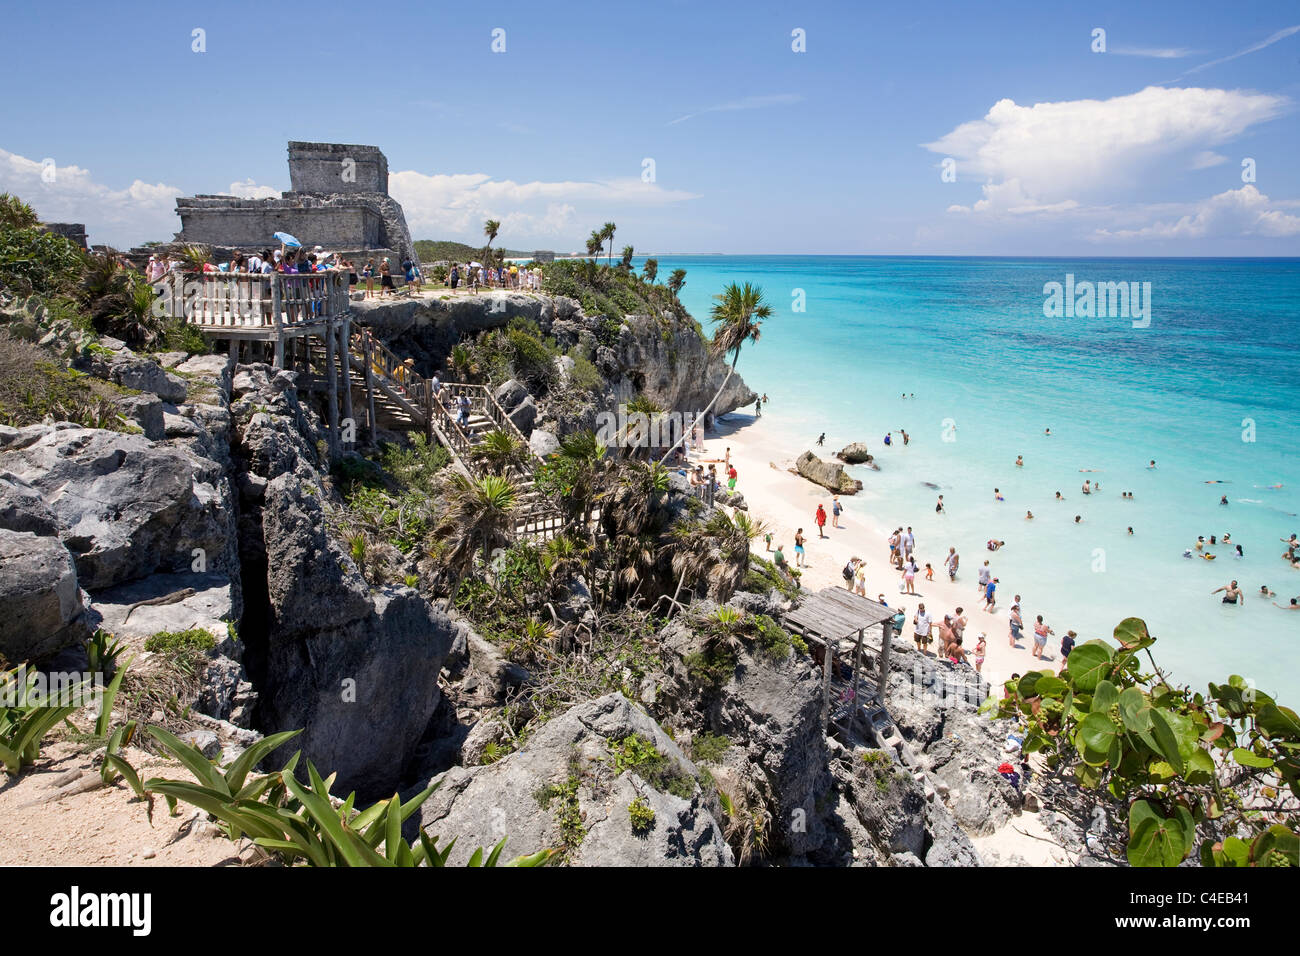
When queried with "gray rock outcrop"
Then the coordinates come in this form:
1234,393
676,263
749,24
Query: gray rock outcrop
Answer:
827,474
563,790
42,605
854,454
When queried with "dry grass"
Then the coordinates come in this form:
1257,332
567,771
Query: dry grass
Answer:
34,385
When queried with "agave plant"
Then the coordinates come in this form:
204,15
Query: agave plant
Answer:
24,724
303,823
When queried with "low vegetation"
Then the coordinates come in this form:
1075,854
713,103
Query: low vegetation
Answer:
1222,766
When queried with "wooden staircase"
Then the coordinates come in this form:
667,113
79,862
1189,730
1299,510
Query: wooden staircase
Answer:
407,402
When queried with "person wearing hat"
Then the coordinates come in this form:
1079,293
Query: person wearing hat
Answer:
385,278
406,371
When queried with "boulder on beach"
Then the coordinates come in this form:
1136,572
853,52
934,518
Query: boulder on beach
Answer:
854,454
827,474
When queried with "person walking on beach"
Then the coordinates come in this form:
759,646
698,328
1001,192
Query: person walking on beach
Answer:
850,572
981,645
909,542
921,624
951,563
938,508
758,408
989,600
822,439
1017,624
1041,632
984,574
909,576
798,549
860,579
836,508
732,475
1231,594
821,521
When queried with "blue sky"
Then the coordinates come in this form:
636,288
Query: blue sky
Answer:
756,148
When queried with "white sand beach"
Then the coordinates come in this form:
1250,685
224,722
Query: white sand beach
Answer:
787,501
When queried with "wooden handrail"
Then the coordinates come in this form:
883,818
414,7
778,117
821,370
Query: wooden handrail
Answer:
245,300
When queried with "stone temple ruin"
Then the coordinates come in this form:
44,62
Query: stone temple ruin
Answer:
338,199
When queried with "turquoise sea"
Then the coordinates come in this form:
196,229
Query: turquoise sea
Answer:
1210,389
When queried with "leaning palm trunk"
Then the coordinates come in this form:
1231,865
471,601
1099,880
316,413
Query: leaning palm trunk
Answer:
730,370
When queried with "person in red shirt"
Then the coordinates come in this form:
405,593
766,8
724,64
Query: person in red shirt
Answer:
821,521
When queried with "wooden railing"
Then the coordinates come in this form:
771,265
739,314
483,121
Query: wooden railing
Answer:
220,300
536,518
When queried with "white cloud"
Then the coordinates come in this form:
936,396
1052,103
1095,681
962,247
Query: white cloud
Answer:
1074,149
1159,53
1207,158
1237,212
118,217
745,103
250,190
455,205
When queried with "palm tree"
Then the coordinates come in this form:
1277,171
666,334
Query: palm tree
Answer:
626,264
16,214
479,517
650,270
499,450
676,280
490,229
607,232
595,243
583,456
738,312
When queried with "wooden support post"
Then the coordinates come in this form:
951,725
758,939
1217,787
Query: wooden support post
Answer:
234,350
345,344
428,410
275,321
857,671
370,391
827,664
331,386
886,639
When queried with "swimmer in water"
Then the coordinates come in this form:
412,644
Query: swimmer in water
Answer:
1293,606
997,495
1029,516
1020,461
1047,433
1231,594
1058,497
1152,465
1078,518
1130,529
1087,487
1223,500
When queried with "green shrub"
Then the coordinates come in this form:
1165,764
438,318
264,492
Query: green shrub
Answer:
584,374
642,815
635,752
173,643
709,747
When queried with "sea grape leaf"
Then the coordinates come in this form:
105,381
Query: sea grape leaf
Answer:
1248,758
1088,664
1104,697
1134,710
